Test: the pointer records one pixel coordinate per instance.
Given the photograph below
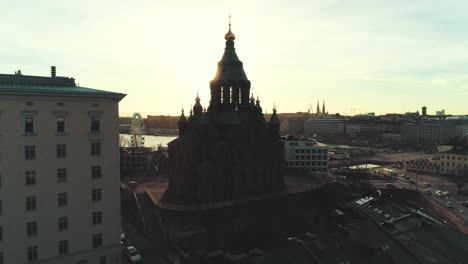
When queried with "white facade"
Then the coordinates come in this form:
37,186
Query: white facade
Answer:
305,154
325,126
60,203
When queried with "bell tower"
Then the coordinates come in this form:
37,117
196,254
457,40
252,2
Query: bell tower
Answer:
230,88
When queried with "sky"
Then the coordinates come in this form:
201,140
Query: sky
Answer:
359,56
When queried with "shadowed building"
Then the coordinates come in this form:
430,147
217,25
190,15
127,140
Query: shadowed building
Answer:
228,150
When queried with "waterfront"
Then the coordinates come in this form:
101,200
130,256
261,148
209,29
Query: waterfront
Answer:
154,141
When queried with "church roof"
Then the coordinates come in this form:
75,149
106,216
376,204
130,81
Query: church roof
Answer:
230,68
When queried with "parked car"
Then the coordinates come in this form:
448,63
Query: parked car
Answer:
446,193
427,184
122,235
465,203
406,176
411,181
449,204
427,191
133,255
439,193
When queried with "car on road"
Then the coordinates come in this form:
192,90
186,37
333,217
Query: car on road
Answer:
411,181
427,184
122,235
465,203
133,255
439,193
406,176
427,191
446,193
449,204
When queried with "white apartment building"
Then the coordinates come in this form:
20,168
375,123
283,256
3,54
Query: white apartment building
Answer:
454,162
59,172
305,153
325,125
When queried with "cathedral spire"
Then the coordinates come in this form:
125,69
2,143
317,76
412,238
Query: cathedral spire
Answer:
229,35
323,107
318,107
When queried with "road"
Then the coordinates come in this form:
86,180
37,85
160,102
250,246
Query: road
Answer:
141,243
436,183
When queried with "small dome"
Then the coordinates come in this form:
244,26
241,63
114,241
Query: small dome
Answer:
229,35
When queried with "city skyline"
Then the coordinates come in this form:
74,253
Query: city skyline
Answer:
373,57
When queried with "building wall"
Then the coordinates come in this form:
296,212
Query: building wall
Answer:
304,154
453,164
325,126
78,186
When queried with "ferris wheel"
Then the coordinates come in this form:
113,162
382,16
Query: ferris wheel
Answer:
137,137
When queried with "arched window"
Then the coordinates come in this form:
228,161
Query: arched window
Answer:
222,93
230,95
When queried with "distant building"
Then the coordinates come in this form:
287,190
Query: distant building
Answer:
440,113
426,166
390,138
294,125
59,155
434,131
323,126
305,153
137,159
454,162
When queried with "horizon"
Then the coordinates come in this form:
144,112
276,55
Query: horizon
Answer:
368,57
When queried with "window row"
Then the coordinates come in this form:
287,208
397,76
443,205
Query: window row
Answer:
308,157
306,163
30,176
313,151
62,248
29,123
61,150
62,199
32,227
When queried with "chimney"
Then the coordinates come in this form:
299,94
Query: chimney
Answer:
424,111
52,71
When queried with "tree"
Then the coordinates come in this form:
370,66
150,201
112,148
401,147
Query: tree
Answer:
123,142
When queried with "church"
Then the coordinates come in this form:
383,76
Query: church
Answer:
229,150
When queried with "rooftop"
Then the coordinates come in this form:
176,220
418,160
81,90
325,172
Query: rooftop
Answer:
40,85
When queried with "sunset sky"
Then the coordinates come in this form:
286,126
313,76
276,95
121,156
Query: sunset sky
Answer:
372,56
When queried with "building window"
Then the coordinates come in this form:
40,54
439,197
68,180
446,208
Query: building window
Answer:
97,240
29,152
30,177
222,95
62,199
95,148
1,234
239,100
1,207
95,124
95,172
97,218
29,123
96,195
31,228
63,247
30,203
1,257
102,260
63,223
62,175
230,95
32,253
60,124
61,150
